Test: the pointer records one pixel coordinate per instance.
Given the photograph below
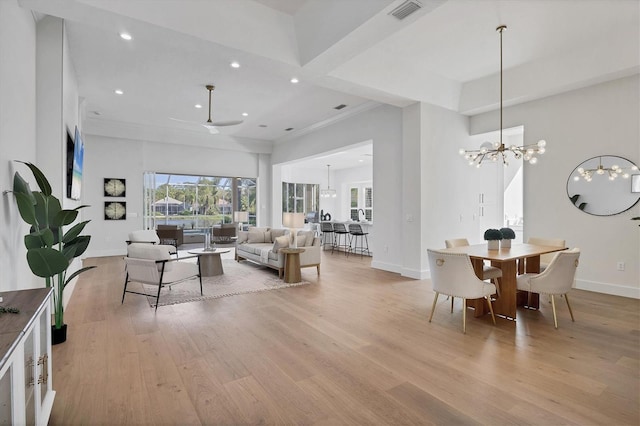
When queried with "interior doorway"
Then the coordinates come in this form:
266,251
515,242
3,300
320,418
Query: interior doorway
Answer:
500,186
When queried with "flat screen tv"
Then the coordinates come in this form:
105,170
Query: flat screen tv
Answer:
78,159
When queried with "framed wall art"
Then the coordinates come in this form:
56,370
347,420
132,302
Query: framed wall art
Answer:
115,210
115,187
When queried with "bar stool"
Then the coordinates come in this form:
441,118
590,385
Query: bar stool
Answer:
327,234
355,231
340,230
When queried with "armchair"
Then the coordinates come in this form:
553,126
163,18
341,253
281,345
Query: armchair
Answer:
153,265
149,236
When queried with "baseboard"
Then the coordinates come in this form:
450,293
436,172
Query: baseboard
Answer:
416,274
606,288
390,267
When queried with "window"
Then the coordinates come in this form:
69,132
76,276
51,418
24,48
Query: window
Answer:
300,197
361,203
194,202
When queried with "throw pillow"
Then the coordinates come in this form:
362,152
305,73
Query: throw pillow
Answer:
275,233
309,236
302,239
267,237
256,236
281,242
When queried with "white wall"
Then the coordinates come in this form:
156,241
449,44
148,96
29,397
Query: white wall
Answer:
577,125
127,158
17,136
382,125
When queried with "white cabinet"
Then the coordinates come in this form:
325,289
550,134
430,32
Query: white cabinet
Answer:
26,393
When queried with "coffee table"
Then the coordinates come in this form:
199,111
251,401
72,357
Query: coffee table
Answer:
210,262
292,272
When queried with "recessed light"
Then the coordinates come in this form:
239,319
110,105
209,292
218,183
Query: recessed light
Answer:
339,106
360,161
294,80
119,92
126,36
235,64
198,106
244,114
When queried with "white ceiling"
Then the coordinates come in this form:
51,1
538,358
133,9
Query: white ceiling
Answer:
343,51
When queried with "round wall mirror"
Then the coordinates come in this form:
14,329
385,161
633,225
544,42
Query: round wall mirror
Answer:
604,186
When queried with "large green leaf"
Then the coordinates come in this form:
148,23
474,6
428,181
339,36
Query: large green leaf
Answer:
74,231
46,262
76,247
42,181
47,207
26,207
78,272
43,238
21,186
64,217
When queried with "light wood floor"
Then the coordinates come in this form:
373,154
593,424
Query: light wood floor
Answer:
354,347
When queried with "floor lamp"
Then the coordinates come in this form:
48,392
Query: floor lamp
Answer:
293,221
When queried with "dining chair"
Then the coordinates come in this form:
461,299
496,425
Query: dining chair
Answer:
545,259
339,231
326,228
452,274
557,279
488,272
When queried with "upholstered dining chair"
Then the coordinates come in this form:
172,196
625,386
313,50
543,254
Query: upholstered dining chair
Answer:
153,265
452,274
545,259
488,272
557,279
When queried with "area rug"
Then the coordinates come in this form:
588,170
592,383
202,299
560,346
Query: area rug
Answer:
238,278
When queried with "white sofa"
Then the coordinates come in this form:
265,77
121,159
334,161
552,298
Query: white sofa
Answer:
262,245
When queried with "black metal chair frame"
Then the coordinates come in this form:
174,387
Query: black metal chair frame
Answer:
337,236
326,228
356,231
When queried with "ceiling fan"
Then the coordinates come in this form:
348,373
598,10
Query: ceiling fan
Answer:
209,124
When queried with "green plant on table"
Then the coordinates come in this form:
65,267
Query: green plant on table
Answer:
50,250
492,234
507,234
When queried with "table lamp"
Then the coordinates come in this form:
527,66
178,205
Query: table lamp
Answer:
293,221
240,217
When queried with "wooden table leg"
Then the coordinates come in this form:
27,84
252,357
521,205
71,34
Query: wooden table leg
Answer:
479,305
533,300
506,304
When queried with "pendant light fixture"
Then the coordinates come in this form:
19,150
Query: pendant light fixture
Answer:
328,193
497,150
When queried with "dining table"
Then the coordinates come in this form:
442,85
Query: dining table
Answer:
508,260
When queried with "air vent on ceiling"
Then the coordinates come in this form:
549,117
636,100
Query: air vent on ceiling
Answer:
262,125
406,9
288,129
339,106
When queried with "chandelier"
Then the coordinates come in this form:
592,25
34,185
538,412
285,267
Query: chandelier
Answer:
497,150
613,172
328,193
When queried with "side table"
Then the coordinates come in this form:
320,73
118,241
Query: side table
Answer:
210,262
292,272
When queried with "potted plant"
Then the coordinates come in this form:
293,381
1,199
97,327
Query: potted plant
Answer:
50,250
507,236
493,237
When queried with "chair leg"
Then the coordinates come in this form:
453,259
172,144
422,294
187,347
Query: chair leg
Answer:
126,280
200,278
433,307
553,305
452,303
569,306
464,316
493,317
318,268
158,296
